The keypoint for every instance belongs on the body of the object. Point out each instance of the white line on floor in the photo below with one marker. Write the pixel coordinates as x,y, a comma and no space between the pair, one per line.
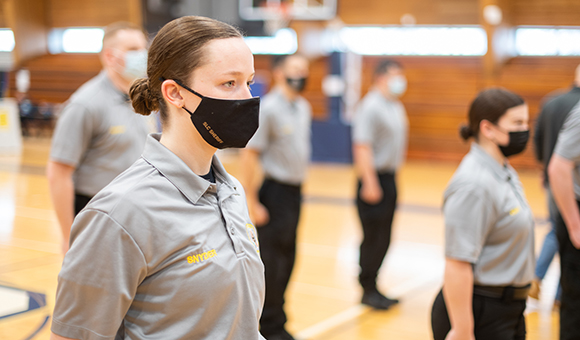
332,322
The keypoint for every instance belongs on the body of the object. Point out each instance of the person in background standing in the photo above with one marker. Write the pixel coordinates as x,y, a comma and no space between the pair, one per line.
380,130
548,126
98,135
564,176
489,228
282,146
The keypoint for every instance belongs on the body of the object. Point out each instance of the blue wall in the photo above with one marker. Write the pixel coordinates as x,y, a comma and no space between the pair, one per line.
331,138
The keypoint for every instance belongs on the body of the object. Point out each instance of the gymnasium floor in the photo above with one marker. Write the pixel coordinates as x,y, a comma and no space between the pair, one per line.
323,296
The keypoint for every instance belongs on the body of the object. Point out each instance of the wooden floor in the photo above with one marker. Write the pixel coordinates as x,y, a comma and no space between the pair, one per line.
323,296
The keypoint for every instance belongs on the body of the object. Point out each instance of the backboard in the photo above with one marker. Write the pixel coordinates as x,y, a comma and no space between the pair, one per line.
287,9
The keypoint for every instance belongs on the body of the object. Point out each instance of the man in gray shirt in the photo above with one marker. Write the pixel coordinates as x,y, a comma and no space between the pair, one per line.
98,135
282,145
564,174
379,145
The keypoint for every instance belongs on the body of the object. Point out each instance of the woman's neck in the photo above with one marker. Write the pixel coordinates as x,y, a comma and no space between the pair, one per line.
184,141
492,149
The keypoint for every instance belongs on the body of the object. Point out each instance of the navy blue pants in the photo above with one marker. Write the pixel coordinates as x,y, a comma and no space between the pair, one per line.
80,202
278,249
570,282
376,220
495,319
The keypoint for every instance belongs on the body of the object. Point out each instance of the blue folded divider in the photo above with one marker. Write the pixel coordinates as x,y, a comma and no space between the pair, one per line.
331,138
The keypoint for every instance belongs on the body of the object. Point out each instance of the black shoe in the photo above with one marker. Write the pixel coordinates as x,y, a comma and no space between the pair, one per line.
377,300
282,335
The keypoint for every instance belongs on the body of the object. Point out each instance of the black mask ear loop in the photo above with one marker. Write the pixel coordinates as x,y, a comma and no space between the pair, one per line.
188,89
185,87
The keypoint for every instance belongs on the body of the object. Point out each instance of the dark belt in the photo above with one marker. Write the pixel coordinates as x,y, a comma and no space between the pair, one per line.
288,185
508,293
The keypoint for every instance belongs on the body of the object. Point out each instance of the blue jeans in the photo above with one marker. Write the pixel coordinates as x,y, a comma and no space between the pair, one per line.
550,246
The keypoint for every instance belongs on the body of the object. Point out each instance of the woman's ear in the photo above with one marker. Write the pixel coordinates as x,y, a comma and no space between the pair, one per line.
172,94
487,129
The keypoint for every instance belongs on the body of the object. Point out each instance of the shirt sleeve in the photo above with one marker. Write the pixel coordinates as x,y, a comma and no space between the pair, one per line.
260,139
362,126
467,222
98,279
568,145
72,135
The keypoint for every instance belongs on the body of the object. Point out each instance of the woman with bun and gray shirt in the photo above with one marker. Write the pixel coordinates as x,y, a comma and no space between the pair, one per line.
167,250
489,228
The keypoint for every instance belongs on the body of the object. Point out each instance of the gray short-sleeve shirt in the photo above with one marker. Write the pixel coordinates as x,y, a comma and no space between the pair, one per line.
568,145
488,221
161,253
382,124
99,134
283,138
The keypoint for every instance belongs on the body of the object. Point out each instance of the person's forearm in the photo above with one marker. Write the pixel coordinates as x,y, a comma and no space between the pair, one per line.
458,294
364,164
58,337
562,186
62,194
249,160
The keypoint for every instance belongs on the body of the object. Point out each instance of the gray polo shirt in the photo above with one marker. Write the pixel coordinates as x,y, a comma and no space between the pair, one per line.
162,253
99,134
488,221
568,145
382,124
283,138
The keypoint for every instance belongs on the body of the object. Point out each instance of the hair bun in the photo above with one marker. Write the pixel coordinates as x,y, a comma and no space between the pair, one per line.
141,98
465,132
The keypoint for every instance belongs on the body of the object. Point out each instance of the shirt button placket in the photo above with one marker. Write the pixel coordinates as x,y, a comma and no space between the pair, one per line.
232,230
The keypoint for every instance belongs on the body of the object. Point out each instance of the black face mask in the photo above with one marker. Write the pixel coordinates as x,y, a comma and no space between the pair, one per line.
517,143
225,123
297,84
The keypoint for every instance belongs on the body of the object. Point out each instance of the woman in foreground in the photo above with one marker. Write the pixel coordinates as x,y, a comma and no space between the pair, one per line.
167,250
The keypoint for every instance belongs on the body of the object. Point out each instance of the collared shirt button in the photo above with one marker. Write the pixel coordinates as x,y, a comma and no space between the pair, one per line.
232,231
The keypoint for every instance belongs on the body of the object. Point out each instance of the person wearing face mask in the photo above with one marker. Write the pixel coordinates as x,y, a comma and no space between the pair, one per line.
489,228
564,176
98,135
167,250
379,133
282,147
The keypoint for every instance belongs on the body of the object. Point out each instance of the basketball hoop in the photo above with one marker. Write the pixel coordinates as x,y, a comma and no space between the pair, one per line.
277,16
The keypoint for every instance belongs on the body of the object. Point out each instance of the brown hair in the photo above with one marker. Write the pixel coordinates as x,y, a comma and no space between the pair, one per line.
490,104
278,61
114,28
384,66
175,53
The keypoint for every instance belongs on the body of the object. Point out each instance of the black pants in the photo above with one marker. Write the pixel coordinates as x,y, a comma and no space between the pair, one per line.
494,319
80,202
278,249
376,220
570,282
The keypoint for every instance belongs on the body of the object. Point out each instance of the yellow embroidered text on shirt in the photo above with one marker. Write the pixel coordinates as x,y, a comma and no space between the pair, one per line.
201,257
117,130
514,211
